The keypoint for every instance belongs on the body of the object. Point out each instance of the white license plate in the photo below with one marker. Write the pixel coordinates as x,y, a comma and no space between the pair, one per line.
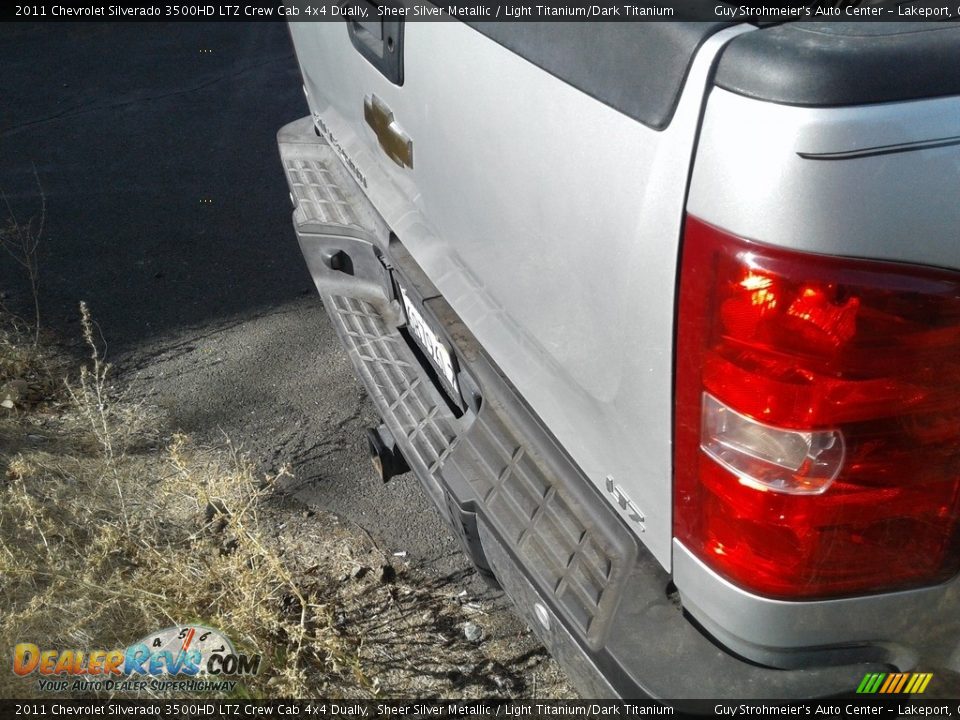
429,341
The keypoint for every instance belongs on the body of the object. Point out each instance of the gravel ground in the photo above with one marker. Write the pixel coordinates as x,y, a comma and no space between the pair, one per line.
167,211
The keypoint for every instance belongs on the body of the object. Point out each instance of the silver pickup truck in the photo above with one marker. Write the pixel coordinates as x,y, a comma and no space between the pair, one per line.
665,316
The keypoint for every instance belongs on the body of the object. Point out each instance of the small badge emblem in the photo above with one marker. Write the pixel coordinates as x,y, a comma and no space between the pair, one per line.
625,503
395,142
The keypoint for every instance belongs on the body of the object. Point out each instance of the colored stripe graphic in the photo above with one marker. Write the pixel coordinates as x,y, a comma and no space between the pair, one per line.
871,683
900,683
890,681
894,683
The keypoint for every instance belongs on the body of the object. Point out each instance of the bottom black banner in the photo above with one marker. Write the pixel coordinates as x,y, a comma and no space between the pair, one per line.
856,707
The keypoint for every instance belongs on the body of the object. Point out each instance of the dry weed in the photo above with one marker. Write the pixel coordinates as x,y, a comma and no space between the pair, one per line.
21,241
110,530
28,374
103,540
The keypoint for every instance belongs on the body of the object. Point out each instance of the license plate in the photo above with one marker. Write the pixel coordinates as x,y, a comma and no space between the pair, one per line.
428,340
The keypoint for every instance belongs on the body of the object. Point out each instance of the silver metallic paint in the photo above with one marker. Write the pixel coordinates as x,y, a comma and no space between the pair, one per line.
910,627
549,221
750,177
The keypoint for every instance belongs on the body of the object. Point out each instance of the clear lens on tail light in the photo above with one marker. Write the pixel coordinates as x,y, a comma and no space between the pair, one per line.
770,458
817,436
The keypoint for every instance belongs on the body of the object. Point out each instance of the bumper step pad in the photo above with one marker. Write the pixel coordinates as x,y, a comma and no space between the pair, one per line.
413,409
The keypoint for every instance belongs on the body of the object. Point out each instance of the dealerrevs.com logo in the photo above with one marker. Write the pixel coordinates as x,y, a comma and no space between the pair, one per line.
187,658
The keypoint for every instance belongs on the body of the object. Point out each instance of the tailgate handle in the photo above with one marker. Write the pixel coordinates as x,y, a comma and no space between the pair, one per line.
395,142
377,35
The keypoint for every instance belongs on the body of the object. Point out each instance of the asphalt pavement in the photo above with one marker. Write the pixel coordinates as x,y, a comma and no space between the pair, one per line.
167,212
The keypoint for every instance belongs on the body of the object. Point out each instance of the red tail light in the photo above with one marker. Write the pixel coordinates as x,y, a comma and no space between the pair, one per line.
817,443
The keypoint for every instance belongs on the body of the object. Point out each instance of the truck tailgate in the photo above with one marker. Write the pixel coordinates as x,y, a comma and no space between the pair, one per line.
548,220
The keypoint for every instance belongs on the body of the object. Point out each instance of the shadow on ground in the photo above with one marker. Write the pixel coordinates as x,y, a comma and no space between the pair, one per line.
154,145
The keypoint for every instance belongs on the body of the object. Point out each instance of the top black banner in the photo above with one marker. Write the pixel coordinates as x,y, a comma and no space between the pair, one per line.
487,11
302,709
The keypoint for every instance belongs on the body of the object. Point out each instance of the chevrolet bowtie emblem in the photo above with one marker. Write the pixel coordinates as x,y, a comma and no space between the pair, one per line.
395,142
